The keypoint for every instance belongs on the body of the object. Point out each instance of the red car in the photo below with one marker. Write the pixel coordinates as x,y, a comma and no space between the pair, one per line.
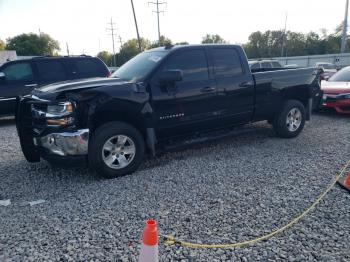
336,91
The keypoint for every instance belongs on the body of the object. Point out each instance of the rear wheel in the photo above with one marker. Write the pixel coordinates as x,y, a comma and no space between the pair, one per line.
116,149
290,121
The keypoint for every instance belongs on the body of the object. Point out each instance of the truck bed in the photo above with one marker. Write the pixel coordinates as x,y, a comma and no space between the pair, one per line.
272,86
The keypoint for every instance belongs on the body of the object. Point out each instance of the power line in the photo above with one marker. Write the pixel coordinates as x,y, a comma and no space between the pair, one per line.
157,4
345,28
112,29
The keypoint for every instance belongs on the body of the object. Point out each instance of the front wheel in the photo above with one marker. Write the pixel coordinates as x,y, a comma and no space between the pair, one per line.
290,121
116,149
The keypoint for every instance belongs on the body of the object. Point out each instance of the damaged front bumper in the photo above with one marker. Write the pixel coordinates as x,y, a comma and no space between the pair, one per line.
40,140
66,143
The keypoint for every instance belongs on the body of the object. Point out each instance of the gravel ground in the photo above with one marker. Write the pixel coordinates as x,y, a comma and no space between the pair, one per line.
225,191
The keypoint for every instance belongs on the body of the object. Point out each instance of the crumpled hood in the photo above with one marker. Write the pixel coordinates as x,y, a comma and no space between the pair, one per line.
335,87
80,84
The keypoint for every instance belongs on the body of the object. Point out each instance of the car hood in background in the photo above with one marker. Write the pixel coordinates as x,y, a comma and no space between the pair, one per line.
80,84
335,87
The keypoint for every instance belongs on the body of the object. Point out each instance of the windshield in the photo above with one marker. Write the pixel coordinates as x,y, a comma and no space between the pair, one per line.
139,66
341,76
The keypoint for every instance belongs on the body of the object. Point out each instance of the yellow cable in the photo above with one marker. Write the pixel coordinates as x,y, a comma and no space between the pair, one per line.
170,240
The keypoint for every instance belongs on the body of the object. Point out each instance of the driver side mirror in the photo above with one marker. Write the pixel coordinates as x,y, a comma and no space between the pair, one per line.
170,76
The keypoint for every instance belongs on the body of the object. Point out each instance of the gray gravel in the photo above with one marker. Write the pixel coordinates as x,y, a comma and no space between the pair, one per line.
225,191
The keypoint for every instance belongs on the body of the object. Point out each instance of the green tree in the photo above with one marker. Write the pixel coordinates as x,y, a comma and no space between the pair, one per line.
2,45
131,49
213,39
106,57
162,42
33,44
296,44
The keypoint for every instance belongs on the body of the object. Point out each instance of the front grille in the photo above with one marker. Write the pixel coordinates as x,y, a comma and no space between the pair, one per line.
24,126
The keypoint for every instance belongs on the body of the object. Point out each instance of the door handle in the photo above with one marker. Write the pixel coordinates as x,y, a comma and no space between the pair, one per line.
208,89
246,84
31,85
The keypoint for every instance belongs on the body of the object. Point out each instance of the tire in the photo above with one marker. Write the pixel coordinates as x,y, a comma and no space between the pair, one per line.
290,121
118,141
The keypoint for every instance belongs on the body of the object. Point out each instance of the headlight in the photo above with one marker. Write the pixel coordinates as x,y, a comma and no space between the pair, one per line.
60,109
347,96
60,114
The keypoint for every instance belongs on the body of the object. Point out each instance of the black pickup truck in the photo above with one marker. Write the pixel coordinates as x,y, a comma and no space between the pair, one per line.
162,95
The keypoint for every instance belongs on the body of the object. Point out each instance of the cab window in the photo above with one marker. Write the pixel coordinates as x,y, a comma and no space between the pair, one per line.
18,72
226,62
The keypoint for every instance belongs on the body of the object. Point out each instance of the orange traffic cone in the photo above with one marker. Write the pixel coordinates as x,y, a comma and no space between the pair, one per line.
345,181
149,247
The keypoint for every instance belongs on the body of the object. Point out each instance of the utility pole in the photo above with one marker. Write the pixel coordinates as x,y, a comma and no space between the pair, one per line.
284,35
345,29
67,48
137,28
112,29
157,3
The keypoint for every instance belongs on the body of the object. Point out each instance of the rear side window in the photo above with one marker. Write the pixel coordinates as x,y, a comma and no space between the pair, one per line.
88,68
18,72
51,70
226,62
193,64
266,65
276,65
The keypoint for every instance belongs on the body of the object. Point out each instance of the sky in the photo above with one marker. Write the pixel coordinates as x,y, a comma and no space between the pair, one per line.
83,23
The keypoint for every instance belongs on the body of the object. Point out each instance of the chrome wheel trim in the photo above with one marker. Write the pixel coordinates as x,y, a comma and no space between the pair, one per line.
294,119
118,151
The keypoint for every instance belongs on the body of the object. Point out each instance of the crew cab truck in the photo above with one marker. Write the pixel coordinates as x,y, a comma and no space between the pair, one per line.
161,94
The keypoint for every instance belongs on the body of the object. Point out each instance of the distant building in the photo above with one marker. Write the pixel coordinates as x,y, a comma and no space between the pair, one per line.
7,55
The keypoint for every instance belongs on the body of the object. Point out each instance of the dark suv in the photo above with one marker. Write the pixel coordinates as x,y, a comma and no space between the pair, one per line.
20,77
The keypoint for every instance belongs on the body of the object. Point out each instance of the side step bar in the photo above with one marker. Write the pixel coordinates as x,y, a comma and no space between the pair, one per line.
180,144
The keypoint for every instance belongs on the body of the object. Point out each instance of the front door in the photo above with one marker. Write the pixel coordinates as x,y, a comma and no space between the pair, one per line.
186,105
19,80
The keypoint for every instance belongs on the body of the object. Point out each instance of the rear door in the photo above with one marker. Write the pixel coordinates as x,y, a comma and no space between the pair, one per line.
51,71
19,80
234,83
189,105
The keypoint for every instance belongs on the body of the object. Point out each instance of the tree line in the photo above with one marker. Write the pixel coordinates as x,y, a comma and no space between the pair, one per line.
269,43
260,45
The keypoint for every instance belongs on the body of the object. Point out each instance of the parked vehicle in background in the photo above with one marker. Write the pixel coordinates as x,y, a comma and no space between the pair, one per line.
329,69
20,77
263,64
112,69
162,98
336,91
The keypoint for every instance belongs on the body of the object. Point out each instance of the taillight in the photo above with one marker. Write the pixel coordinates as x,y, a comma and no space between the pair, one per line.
109,74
